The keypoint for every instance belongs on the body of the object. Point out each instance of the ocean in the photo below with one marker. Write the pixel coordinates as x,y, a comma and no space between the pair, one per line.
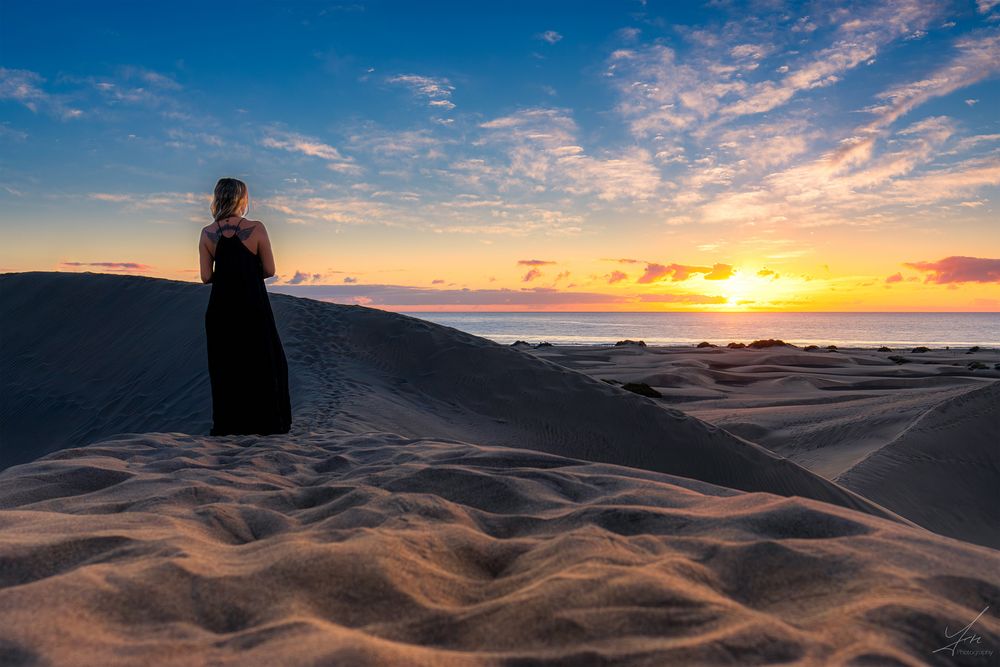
841,329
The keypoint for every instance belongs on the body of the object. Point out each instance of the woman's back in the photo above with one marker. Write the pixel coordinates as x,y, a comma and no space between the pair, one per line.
246,361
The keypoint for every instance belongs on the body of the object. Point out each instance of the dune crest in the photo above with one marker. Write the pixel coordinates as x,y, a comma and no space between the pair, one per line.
946,465
128,355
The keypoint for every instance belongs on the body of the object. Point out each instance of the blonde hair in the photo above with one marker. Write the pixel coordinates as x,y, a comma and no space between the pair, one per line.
231,198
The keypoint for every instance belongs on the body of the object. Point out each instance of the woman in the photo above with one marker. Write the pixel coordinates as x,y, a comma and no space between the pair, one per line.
246,362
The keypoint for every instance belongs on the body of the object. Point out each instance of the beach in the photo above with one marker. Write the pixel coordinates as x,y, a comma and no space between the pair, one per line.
443,499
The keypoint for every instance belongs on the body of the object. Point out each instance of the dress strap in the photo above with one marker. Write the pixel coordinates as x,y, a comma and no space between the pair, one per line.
237,228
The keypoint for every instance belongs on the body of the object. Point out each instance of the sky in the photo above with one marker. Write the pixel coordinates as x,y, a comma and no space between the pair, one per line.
599,156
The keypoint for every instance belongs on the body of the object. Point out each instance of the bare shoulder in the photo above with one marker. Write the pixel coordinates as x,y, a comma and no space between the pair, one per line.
210,232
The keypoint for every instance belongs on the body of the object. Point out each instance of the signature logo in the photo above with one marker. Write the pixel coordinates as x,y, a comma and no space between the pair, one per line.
965,640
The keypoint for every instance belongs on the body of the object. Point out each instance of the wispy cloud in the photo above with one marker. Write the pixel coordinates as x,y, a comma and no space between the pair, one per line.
342,210
975,59
404,295
25,87
662,93
392,145
506,298
144,201
682,298
131,85
115,267
550,36
543,149
436,91
312,147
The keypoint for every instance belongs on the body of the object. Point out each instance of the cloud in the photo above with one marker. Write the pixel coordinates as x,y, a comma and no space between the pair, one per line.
404,151
111,197
534,262
498,217
436,91
124,267
349,280
531,275
765,144
719,272
137,86
301,277
409,297
678,272
860,41
894,278
750,51
154,200
976,58
682,298
542,148
24,86
959,270
655,272
954,181
851,182
616,277
764,273
149,77
550,36
7,132
343,210
312,147
719,167
660,92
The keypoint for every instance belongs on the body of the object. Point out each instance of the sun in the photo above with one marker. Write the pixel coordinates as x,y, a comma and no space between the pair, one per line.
741,290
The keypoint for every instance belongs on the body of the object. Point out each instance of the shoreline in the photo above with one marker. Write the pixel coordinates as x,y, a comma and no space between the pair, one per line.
799,346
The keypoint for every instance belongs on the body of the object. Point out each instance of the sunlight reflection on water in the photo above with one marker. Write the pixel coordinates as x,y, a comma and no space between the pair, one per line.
842,329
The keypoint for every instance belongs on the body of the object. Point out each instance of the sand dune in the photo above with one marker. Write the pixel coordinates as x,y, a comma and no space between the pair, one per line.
919,438
443,500
949,458
128,355
376,549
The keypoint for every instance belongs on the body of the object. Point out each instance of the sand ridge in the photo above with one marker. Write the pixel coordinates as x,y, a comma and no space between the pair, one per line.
351,369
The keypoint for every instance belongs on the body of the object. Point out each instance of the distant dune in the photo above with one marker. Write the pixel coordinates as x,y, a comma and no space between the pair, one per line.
441,500
945,467
921,438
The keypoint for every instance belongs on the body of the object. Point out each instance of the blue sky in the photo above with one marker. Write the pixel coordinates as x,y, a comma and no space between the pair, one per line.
445,146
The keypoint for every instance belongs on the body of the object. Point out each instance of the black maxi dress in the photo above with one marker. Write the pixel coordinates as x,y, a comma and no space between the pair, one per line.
246,362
